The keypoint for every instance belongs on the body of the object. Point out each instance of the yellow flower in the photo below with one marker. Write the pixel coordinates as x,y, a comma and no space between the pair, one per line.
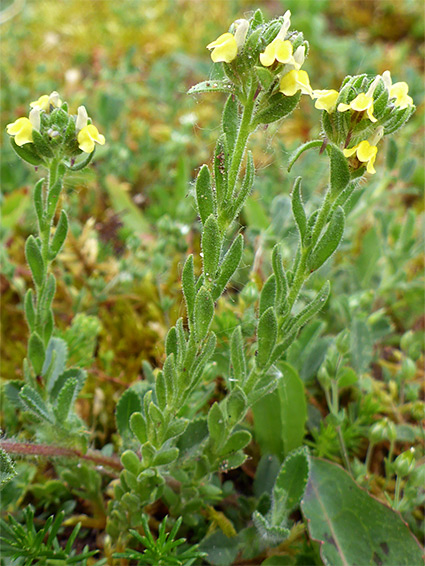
326,100
279,49
47,100
366,153
87,136
363,102
225,48
398,91
295,81
22,130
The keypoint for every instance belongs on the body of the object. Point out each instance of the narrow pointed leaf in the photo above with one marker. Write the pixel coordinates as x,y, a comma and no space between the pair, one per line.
204,194
267,334
35,260
329,242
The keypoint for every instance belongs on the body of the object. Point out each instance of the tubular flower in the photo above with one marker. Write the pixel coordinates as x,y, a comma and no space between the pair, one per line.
326,100
398,91
21,129
47,100
365,153
87,137
82,117
225,48
295,81
279,49
363,102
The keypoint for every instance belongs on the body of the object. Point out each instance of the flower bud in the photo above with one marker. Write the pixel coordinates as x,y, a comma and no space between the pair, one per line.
382,430
405,463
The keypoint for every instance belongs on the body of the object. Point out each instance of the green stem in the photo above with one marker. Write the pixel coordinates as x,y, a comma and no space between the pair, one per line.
397,493
244,132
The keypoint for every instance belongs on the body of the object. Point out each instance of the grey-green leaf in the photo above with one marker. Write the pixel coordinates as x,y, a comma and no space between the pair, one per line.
29,309
292,479
7,468
128,404
298,209
204,194
230,120
188,284
59,236
204,312
66,398
237,356
211,246
339,172
34,403
267,334
36,352
352,526
329,242
35,260
212,86
228,266
268,294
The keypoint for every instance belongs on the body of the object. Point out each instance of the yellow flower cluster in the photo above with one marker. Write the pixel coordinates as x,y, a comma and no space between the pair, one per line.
22,129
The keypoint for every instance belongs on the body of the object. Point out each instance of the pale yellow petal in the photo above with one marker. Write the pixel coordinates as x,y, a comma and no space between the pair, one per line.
342,107
350,152
361,102
21,129
288,83
225,48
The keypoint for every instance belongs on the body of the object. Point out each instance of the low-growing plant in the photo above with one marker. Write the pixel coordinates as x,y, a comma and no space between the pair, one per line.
178,437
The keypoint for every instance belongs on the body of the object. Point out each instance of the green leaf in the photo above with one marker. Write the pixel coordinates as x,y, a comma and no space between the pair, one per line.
298,209
36,352
38,202
237,356
212,86
265,76
188,284
204,312
292,480
53,197
41,144
300,150
79,165
59,236
171,381
221,168
131,462
329,242
281,282
216,424
228,266
293,407
211,247
279,107
29,309
339,172
267,334
27,153
161,391
171,346
54,364
236,406
308,312
66,398
35,260
128,404
138,427
165,456
268,294
236,441
352,526
246,186
34,403
230,120
7,468
204,194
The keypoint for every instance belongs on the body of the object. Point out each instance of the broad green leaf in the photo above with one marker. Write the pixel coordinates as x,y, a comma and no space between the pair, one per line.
171,346
35,260
246,187
279,107
292,480
36,352
339,172
27,153
267,424
236,406
161,391
236,441
52,198
216,424
128,404
138,427
204,194
293,407
165,456
352,526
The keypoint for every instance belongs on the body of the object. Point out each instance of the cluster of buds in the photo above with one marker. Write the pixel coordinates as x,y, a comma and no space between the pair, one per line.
50,132
355,118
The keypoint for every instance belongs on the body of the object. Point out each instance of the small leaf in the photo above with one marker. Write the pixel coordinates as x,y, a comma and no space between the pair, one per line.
279,107
211,247
59,236
131,462
246,187
281,282
236,406
38,202
265,77
339,171
35,260
216,424
171,381
308,312
36,352
228,266
29,309
165,456
230,120
236,441
27,153
171,342
298,209
212,86
41,144
300,150
128,404
237,356
53,197
7,468
329,242
66,398
204,312
267,334
161,391
292,480
204,194
221,168
268,294
138,427
360,345
34,403
188,284
352,526
58,349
